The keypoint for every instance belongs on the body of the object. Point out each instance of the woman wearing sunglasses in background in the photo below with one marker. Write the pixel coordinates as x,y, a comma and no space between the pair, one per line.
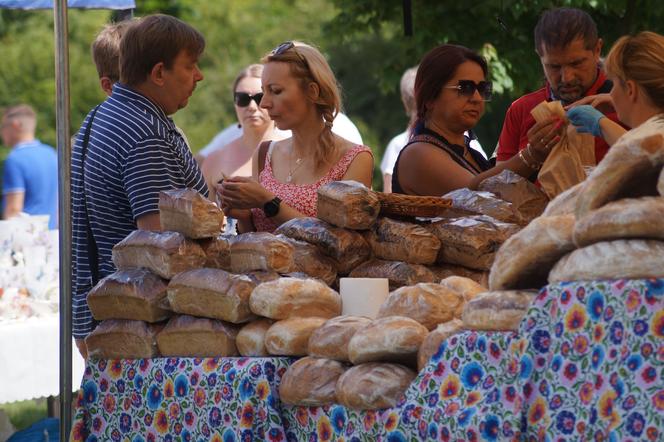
235,157
300,93
451,88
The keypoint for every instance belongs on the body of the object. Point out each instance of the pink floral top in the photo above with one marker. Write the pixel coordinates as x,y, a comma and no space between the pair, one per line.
302,198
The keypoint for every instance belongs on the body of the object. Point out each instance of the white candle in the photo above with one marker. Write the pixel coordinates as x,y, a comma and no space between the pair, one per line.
363,296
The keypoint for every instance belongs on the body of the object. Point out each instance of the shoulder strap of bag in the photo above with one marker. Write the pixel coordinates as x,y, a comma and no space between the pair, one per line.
93,251
423,138
262,155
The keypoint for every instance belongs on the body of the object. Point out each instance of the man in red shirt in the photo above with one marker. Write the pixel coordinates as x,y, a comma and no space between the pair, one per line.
568,46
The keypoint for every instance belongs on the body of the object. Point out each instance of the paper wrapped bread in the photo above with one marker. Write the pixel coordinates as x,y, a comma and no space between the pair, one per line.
187,336
218,251
122,339
190,213
331,339
260,251
287,297
484,203
497,311
526,198
389,339
373,385
347,204
400,241
308,259
398,273
311,382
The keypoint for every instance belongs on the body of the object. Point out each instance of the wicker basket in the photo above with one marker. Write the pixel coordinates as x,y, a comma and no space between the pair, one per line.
395,204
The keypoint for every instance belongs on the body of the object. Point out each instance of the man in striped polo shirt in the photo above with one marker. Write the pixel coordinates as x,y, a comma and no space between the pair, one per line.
133,151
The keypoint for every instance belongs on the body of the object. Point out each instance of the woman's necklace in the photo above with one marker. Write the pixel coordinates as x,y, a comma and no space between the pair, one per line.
291,169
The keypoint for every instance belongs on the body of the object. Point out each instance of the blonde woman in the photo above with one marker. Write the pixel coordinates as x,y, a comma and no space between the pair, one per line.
300,94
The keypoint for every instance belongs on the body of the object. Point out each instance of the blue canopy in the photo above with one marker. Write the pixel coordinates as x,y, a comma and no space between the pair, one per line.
89,4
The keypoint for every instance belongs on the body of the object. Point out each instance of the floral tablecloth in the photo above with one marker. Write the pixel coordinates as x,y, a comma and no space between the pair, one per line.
586,364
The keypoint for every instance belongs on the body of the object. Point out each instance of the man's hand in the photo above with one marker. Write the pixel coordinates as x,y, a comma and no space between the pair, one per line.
601,102
586,119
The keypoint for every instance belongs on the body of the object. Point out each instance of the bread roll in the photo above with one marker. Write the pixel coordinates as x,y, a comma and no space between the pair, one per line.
311,382
218,251
398,273
497,311
630,259
564,203
164,253
526,198
122,339
627,218
136,294
471,242
466,287
525,259
442,271
485,203
190,213
260,251
288,297
390,339
373,385
186,336
331,339
211,293
427,303
630,169
250,339
261,276
311,261
660,183
347,204
290,337
434,339
347,247
400,241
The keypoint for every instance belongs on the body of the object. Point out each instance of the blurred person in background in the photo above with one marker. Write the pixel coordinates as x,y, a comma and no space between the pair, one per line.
30,176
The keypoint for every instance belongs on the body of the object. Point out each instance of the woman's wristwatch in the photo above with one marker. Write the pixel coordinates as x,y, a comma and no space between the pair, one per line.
271,208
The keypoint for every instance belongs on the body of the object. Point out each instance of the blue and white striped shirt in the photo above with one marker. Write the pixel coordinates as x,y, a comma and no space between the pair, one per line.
133,153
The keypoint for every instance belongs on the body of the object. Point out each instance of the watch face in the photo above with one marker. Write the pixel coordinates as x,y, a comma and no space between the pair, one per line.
271,208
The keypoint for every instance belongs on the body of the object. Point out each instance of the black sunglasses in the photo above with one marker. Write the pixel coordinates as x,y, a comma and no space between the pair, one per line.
242,99
467,88
285,47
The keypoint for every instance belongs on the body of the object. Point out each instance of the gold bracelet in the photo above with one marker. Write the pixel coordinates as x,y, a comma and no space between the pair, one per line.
522,157
535,161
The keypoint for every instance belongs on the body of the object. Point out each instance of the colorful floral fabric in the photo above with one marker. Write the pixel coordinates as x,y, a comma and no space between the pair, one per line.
586,364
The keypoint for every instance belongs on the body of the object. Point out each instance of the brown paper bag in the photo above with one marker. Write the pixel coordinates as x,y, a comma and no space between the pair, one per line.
564,167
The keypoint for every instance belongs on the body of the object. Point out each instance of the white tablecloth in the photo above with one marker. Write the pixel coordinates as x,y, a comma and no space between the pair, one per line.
30,359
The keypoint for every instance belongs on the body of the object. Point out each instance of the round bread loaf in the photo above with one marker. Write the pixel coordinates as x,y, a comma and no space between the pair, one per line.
250,340
467,287
428,303
497,311
565,202
311,382
622,219
373,385
432,342
331,339
631,259
391,339
290,337
288,297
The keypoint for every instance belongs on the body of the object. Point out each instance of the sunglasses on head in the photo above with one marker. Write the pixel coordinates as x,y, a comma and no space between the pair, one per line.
242,99
285,47
467,88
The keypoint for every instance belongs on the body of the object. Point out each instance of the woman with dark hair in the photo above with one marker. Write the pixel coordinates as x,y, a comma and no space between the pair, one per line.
451,89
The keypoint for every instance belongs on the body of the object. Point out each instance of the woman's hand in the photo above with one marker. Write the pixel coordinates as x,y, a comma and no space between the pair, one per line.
601,102
543,136
242,193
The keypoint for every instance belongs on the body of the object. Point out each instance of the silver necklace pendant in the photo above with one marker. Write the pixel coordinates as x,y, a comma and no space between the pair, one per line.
289,178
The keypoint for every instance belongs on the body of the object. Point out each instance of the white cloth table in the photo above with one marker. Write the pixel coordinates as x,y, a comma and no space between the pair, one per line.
30,359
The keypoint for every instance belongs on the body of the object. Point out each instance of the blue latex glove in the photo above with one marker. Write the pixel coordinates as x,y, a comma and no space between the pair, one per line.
586,119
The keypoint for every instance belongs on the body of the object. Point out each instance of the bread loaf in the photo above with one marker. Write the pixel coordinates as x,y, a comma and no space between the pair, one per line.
211,293
218,252
399,241
629,170
497,311
136,294
331,340
471,242
290,337
190,213
311,261
525,259
485,203
631,259
261,276
660,183
288,297
442,271
260,251
627,218
526,198
250,339
311,382
122,339
164,253
373,385
434,339
466,287
427,303
347,204
390,339
347,247
564,203
186,336
398,273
